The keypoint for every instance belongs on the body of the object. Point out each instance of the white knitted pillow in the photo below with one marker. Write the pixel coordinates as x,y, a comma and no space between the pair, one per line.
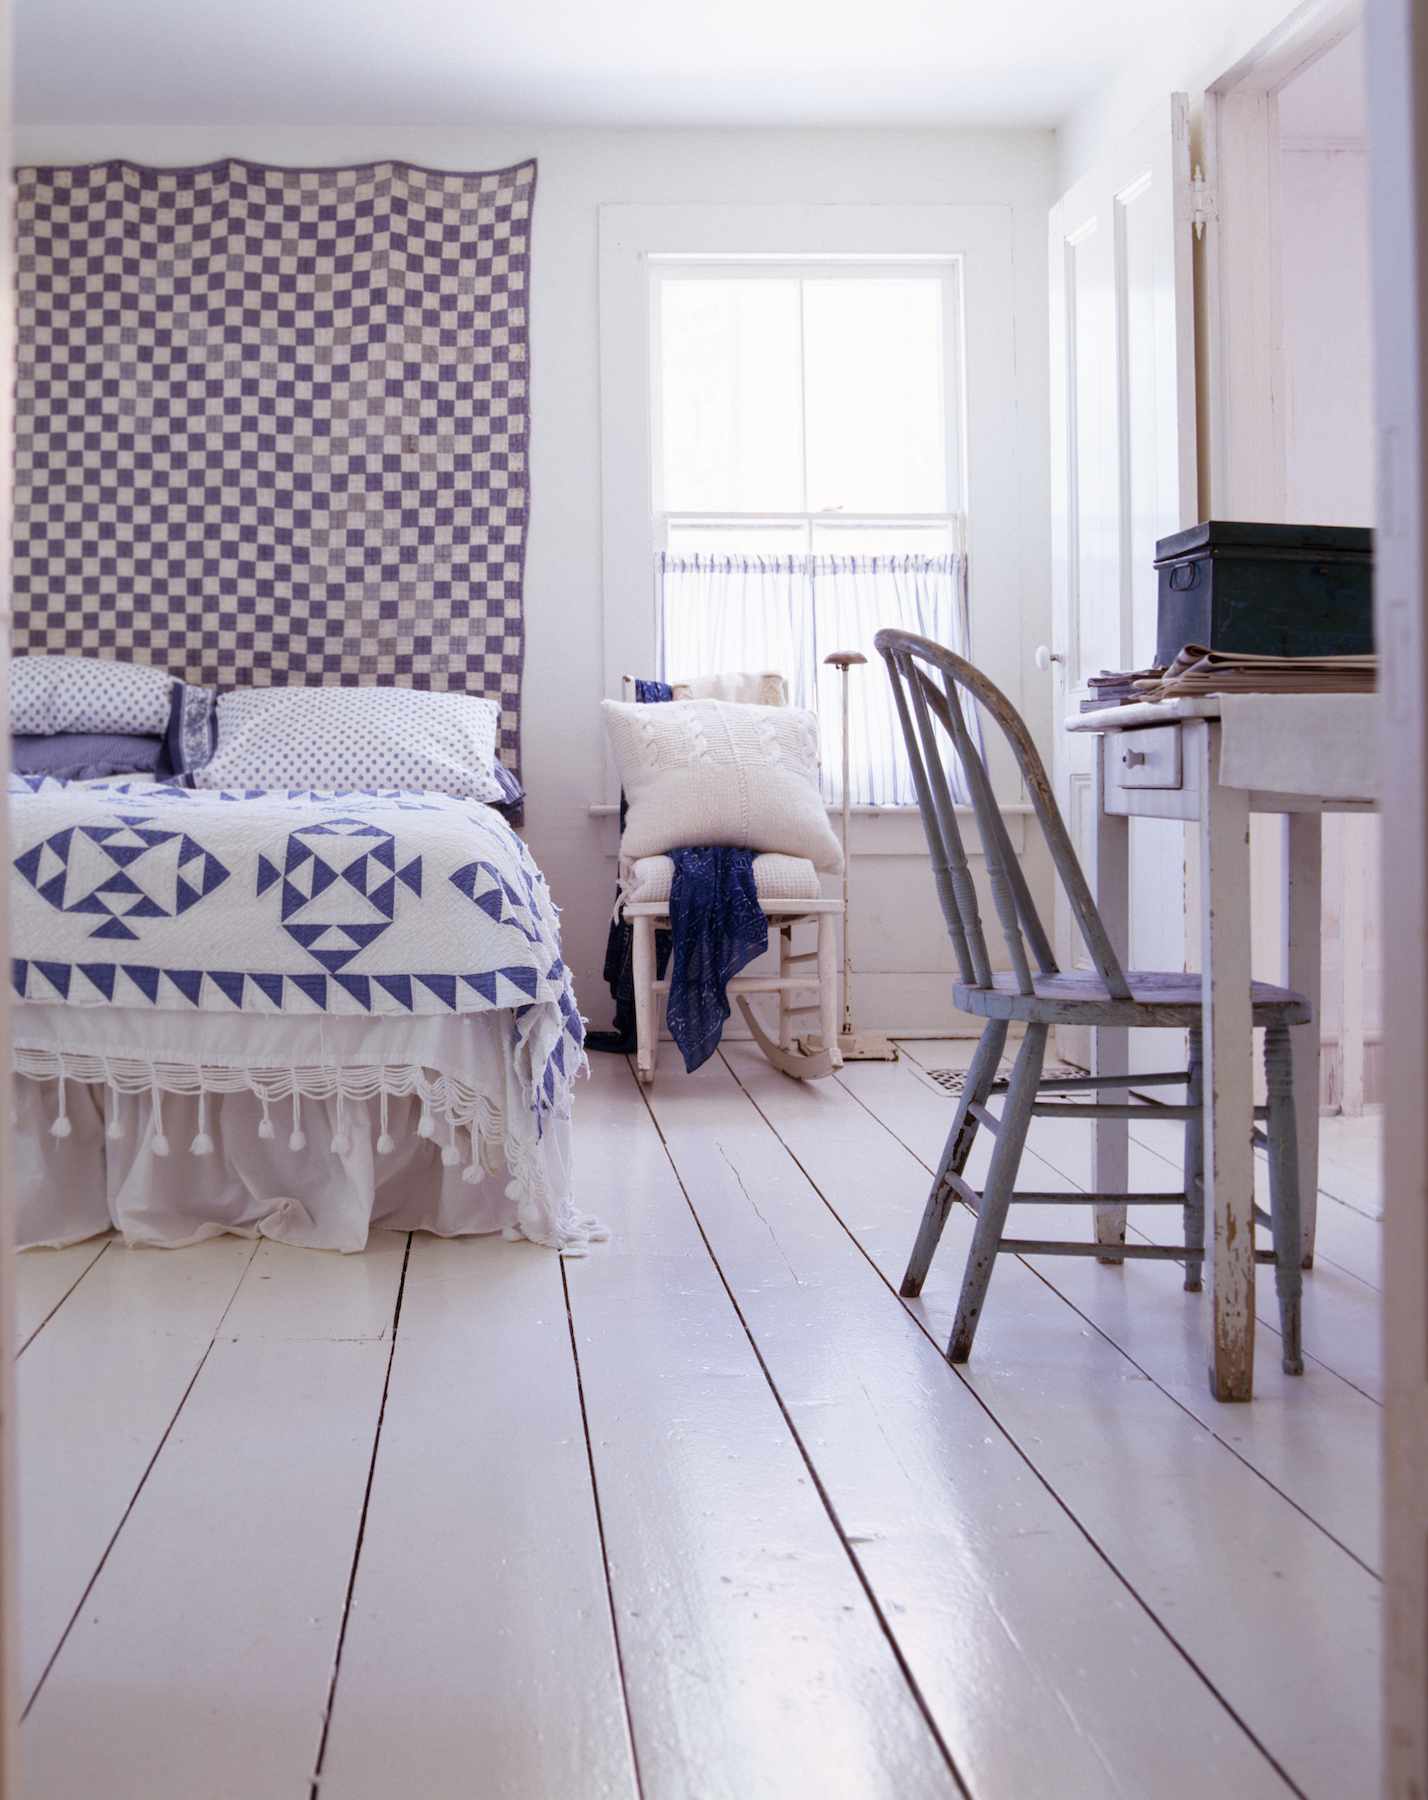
714,772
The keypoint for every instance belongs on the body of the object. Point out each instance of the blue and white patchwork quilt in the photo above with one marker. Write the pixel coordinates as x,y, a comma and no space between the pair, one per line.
154,896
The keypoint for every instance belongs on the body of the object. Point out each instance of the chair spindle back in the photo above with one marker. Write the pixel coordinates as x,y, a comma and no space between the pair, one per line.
924,705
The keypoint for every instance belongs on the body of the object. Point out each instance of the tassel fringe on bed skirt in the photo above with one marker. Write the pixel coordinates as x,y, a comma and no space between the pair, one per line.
466,1126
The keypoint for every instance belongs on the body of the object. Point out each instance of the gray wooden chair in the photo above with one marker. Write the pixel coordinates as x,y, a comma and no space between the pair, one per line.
935,692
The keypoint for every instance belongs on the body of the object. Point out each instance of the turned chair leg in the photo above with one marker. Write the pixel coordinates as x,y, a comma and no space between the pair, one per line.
1283,1138
996,1195
642,960
1194,1210
986,1060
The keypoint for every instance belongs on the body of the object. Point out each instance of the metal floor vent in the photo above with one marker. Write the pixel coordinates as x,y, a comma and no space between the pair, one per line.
954,1080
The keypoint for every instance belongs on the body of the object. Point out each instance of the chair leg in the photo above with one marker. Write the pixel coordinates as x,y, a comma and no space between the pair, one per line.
996,1195
1194,1211
828,1012
642,959
786,1033
1283,1138
983,1072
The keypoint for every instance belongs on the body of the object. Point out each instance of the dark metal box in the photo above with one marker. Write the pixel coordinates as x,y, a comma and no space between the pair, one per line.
1278,590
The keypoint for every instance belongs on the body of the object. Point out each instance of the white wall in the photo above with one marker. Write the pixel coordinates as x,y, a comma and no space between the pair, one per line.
1329,480
1328,436
579,170
1185,56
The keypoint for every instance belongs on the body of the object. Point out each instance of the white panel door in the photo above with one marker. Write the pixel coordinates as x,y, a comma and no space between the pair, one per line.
1123,474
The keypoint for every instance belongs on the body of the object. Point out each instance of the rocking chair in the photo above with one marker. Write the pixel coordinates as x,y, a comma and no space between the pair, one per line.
929,683
789,894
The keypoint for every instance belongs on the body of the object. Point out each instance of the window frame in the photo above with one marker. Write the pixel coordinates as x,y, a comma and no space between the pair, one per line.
947,270
636,240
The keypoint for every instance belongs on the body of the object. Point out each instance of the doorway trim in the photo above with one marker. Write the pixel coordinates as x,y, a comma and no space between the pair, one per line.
1240,378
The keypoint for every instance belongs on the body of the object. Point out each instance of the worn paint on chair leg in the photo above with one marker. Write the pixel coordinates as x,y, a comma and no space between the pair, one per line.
996,1195
1194,1213
1283,1137
986,1059
1229,1068
1303,940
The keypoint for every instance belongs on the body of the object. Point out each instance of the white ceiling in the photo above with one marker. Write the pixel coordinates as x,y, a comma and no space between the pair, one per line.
609,62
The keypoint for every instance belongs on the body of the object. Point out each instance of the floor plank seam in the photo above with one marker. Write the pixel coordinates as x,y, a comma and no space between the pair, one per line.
1120,1350
814,1476
1036,1473
138,1489
1269,1322
600,1531
63,1297
1319,1254
361,1531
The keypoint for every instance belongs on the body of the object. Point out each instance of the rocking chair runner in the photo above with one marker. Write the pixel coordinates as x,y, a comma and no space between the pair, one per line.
926,681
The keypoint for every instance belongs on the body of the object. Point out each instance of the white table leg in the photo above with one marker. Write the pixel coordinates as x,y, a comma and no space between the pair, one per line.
1303,949
1229,1075
1110,1045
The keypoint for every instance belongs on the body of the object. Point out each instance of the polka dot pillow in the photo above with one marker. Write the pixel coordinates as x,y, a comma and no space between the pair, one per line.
51,694
374,737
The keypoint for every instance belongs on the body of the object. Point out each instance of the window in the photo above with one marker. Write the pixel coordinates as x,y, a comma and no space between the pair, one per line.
807,478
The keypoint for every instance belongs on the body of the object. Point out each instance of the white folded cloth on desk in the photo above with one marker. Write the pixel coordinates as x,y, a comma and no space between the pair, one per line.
1325,745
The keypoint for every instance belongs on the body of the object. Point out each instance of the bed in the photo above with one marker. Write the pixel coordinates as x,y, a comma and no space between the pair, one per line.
294,1011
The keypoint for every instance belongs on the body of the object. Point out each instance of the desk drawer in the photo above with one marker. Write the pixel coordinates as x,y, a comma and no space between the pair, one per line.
1144,759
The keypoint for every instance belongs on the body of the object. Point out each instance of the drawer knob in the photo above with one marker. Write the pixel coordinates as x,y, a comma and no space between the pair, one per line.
1133,758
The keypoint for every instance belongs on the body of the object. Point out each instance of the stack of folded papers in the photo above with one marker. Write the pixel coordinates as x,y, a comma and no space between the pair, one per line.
1197,671
1117,687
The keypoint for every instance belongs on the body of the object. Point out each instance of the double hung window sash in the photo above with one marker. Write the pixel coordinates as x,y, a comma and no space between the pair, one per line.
809,483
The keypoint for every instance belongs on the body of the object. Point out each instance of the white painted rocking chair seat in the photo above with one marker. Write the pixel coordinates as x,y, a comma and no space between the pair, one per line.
1157,997
775,878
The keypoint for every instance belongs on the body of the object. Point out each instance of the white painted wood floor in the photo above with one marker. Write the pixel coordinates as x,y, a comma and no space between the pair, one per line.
705,1514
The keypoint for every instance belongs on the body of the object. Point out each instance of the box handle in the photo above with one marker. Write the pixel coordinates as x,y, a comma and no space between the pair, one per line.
1190,570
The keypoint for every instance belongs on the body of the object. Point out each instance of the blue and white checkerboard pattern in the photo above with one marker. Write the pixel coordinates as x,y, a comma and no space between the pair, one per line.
271,424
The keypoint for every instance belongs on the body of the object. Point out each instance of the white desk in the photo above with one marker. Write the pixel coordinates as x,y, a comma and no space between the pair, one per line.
1164,761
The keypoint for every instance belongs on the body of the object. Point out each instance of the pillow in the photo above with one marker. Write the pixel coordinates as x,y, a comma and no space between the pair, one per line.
716,772
83,755
350,737
50,694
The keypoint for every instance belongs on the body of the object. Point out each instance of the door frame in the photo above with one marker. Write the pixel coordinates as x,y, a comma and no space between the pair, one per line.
1242,404
1238,334
1397,45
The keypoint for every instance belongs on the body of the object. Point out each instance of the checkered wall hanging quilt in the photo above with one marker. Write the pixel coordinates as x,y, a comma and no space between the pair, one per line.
272,424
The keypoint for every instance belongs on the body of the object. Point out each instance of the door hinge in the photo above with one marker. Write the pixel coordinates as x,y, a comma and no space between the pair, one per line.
1204,208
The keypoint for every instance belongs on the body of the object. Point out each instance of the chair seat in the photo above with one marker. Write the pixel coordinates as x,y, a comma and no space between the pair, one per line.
1158,997
775,878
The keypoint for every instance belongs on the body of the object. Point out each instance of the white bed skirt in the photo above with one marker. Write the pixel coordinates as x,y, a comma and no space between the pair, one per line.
172,1128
